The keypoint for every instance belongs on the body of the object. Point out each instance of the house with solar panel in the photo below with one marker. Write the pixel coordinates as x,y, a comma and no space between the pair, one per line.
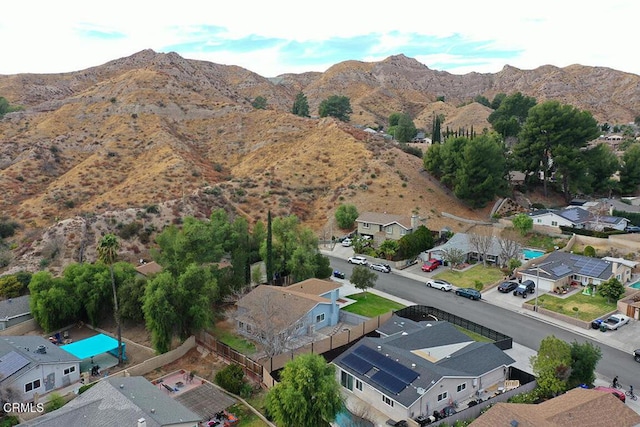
561,270
416,368
577,217
31,364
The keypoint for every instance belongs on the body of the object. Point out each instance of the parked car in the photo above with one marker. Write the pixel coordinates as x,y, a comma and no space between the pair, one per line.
613,322
339,274
524,288
430,265
470,293
506,287
632,229
347,242
617,393
385,268
636,355
443,285
358,260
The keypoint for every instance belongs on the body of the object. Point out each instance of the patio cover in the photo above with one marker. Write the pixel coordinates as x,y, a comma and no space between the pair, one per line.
93,346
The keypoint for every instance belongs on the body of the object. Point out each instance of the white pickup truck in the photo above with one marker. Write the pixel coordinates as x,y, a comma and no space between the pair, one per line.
613,322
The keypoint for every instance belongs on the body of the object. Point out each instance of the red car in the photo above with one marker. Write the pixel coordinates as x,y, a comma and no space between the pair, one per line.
430,265
617,393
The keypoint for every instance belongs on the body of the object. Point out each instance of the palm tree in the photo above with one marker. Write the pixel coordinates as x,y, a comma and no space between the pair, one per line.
108,253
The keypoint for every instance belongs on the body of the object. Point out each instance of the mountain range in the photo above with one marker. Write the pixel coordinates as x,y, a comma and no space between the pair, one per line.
152,137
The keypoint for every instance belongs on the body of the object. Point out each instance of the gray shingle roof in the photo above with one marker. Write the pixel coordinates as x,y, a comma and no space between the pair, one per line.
462,241
107,404
385,219
12,307
560,264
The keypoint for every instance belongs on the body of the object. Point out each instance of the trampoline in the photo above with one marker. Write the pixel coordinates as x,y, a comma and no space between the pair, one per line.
94,346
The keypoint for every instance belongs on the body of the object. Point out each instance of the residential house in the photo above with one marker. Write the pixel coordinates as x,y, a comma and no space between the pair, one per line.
121,401
14,311
31,364
298,309
465,243
146,269
561,270
384,226
415,368
577,407
577,217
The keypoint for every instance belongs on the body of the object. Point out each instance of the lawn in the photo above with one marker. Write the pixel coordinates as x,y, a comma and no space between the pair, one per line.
537,240
233,340
589,307
474,336
246,417
467,279
371,305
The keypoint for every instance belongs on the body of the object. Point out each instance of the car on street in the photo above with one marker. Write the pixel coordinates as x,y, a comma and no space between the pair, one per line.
358,260
443,285
347,242
524,288
430,265
385,268
636,355
613,322
617,393
470,293
506,287
632,229
339,274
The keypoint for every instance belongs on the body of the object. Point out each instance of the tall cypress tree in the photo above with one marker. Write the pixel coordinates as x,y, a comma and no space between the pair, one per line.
269,260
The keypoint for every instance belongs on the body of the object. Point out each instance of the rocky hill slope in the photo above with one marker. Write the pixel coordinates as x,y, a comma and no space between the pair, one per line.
153,137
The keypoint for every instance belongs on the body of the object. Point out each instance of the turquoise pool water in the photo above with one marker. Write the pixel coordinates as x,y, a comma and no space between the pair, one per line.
531,253
635,285
347,419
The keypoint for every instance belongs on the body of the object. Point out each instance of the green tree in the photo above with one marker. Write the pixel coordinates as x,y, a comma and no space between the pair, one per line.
336,106
432,160
54,302
508,118
523,223
363,278
193,298
436,132
93,286
612,289
231,378
159,314
401,126
552,366
482,173
482,100
300,105
108,253
497,100
555,135
589,251
389,248
584,359
630,170
601,164
346,215
10,287
307,394
410,245
268,255
260,103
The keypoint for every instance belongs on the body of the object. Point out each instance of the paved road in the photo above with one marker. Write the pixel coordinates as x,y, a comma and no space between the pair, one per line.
503,312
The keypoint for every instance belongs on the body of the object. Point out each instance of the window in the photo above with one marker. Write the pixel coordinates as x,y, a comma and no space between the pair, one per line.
554,223
365,225
359,385
443,396
31,386
538,220
346,380
241,325
388,401
389,229
461,387
404,232
69,370
320,318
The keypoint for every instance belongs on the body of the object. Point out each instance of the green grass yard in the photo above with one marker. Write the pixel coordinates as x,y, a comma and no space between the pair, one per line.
467,279
589,307
371,305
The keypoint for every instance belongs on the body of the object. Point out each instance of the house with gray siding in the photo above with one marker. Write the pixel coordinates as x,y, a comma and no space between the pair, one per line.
416,368
14,311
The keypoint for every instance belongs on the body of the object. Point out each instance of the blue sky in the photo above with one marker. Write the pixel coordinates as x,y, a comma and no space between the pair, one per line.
282,36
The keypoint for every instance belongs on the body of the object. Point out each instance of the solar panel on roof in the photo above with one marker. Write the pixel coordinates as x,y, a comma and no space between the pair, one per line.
11,363
388,381
561,270
357,363
386,364
593,268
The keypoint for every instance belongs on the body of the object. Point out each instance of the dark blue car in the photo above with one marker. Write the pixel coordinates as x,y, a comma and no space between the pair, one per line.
339,274
470,293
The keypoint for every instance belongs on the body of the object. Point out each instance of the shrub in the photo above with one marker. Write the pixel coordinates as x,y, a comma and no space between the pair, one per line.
231,378
130,230
589,251
86,387
56,401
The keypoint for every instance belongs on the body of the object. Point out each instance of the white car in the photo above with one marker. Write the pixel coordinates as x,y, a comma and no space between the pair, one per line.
358,260
347,242
443,285
385,268
613,322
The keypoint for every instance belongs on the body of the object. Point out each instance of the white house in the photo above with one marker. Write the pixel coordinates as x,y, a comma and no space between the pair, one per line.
416,368
31,364
577,217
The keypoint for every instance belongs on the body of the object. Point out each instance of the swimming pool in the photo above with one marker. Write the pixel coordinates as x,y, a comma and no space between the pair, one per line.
635,285
528,254
347,419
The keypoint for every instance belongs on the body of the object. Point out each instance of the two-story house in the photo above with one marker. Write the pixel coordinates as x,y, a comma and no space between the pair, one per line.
415,368
384,226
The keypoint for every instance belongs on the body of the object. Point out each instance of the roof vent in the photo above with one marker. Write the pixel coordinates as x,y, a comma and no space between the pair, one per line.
153,410
142,422
121,385
379,347
41,349
413,365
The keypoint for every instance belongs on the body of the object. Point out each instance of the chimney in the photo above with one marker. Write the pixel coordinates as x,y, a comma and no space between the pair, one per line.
142,422
414,222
